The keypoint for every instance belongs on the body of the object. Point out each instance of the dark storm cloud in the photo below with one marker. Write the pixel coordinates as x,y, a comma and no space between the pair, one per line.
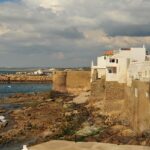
120,29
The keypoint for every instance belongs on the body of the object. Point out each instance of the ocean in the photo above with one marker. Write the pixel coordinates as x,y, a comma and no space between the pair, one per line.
8,72
13,88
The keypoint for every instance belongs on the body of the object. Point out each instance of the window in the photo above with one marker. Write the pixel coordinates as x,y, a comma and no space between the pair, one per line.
104,57
112,60
112,70
109,70
117,61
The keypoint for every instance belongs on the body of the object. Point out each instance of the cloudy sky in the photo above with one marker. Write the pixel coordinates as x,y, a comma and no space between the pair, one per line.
65,33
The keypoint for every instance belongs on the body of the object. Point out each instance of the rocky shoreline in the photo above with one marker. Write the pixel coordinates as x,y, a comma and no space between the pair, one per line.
40,117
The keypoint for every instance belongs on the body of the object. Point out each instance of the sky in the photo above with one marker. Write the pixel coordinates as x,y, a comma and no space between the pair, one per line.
69,33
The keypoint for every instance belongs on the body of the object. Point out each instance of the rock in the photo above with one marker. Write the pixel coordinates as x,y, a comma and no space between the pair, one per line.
2,111
118,127
82,98
68,114
18,111
87,130
59,100
46,133
3,124
67,105
2,119
143,143
75,112
127,133
49,100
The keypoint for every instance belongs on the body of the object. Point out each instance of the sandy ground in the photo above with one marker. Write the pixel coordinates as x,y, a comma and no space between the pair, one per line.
65,145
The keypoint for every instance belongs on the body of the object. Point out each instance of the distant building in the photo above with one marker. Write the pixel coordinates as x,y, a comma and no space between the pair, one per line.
38,72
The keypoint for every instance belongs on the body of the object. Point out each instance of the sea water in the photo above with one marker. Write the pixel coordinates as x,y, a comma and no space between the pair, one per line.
14,88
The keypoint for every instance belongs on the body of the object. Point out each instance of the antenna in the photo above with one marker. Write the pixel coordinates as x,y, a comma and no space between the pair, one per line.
92,63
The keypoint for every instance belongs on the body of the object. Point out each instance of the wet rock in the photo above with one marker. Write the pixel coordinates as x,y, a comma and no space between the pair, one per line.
67,105
59,100
18,111
127,133
46,133
2,110
49,100
68,114
87,130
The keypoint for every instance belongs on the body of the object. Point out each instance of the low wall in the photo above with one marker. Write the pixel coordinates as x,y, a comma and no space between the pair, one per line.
138,105
71,81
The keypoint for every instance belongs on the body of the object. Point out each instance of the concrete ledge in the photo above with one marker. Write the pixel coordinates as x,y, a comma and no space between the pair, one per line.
66,145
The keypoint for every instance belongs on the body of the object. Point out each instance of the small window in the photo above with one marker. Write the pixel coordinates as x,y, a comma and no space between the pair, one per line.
112,70
112,60
117,61
109,71
104,57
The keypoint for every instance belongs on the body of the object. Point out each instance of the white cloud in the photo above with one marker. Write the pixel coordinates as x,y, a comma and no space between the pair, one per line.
118,16
54,5
73,32
3,29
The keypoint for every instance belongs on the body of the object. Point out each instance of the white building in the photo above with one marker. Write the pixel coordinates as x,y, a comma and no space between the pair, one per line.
99,70
121,65
38,72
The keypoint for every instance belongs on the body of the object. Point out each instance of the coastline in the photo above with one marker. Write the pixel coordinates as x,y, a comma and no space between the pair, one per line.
11,78
41,117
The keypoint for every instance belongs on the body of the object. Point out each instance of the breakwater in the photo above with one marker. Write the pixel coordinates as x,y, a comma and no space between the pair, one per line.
13,78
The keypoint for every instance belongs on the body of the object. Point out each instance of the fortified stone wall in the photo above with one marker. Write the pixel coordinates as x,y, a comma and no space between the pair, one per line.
128,104
71,81
59,81
114,91
137,103
77,81
107,97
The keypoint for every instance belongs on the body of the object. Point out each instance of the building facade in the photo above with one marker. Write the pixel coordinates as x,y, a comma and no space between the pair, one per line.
122,65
